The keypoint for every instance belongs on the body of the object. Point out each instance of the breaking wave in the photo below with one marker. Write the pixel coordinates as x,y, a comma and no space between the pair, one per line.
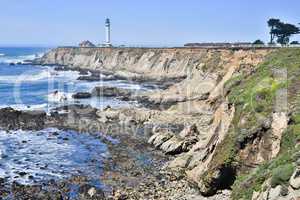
59,97
18,59
43,75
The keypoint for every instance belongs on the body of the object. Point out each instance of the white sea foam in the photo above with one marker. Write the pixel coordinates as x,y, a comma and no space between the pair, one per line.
47,154
2,54
18,59
59,97
26,107
65,75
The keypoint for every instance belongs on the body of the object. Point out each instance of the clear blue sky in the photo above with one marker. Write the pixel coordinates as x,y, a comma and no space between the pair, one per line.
148,22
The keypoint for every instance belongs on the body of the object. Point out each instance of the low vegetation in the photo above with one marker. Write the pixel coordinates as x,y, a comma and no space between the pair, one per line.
254,99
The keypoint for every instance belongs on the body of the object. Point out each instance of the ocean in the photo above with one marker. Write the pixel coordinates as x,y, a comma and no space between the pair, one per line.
30,157
27,87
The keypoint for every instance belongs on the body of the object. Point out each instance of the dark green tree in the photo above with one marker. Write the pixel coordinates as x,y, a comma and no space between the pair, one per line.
282,31
258,42
294,42
272,23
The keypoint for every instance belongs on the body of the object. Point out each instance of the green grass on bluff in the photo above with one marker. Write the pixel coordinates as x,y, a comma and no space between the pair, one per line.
254,99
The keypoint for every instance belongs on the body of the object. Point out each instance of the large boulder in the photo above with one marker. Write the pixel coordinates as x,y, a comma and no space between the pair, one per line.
295,180
173,145
159,138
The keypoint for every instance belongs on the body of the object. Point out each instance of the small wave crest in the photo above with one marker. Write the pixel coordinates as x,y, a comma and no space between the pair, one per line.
43,75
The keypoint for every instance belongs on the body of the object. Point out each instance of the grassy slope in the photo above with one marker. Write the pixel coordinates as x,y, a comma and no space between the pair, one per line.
253,96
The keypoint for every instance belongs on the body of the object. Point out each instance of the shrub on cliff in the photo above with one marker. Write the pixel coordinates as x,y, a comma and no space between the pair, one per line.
281,174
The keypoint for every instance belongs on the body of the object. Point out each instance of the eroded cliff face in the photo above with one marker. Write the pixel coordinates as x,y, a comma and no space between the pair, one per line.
228,123
150,62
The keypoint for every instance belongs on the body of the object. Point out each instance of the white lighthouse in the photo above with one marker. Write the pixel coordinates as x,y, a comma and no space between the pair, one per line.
107,33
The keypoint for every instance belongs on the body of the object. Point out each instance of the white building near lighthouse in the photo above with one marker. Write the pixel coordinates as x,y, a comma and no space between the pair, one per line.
107,33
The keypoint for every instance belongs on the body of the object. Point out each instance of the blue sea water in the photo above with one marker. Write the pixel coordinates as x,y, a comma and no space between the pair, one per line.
32,87
50,153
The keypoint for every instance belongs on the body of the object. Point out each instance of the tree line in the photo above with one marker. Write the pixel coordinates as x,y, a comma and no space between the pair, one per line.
280,32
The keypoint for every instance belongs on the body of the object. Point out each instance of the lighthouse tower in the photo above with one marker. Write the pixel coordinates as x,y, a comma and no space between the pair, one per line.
107,33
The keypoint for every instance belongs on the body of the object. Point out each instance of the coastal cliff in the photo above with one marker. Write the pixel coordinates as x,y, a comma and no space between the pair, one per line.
147,62
236,134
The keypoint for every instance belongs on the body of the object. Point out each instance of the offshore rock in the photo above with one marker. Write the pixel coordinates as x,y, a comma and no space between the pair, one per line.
82,95
106,91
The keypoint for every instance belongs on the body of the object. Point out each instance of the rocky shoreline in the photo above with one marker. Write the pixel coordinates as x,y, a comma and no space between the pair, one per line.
130,161
208,132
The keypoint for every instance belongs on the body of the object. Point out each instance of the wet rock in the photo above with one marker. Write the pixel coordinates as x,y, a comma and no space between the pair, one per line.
12,119
90,78
27,62
96,77
82,95
22,173
36,192
107,91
